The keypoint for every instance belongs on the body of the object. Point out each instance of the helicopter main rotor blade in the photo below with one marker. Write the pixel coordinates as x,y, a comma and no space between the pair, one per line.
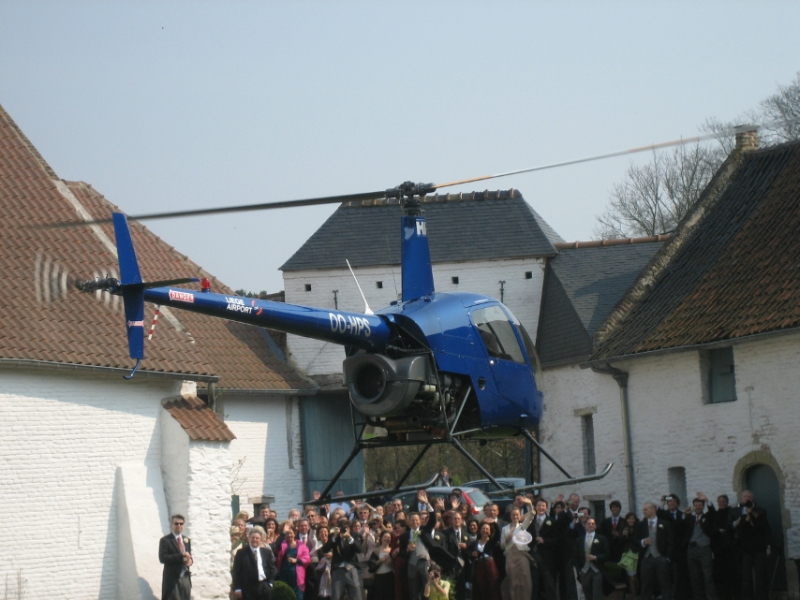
411,189
240,208
577,161
679,142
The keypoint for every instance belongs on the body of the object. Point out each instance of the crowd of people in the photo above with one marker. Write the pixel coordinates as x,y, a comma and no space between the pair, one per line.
536,549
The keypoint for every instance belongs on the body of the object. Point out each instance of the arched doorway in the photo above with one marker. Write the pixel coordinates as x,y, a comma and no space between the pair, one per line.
763,482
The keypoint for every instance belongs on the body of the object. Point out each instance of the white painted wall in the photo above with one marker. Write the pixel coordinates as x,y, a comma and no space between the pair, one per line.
209,512
175,466
197,485
61,439
522,296
268,441
568,392
141,512
673,428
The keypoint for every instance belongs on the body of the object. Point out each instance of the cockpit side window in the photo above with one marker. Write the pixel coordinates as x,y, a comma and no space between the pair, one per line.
497,334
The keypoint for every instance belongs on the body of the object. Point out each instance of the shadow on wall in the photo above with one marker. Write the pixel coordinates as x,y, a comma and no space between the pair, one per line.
145,589
108,575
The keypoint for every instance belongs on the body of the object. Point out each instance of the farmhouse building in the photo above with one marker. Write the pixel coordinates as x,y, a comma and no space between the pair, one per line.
690,382
104,461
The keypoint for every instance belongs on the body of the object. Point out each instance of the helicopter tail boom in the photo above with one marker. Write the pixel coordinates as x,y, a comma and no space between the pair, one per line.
366,332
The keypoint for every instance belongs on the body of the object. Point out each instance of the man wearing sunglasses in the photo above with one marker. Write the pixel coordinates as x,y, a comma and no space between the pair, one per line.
174,552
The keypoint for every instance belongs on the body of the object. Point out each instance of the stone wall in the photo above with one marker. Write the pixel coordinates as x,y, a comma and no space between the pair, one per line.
209,517
674,428
61,440
267,430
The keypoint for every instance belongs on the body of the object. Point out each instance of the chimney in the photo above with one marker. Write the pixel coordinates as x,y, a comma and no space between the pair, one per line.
746,137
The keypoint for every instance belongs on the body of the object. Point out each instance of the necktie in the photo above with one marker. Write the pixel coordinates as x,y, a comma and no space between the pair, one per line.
615,522
458,536
180,544
588,544
697,524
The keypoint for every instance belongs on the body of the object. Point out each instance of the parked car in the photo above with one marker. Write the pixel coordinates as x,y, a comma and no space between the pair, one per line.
503,502
474,497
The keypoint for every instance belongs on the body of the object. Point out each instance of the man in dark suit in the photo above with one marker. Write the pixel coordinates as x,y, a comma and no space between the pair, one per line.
723,545
754,536
591,552
571,530
698,532
344,564
654,537
456,544
254,570
611,528
544,548
679,570
175,553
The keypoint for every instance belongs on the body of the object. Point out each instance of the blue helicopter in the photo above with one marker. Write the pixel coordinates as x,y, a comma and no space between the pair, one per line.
430,368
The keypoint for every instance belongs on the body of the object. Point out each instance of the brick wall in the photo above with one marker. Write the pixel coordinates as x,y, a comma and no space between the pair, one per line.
268,440
210,516
521,295
672,427
61,439
570,392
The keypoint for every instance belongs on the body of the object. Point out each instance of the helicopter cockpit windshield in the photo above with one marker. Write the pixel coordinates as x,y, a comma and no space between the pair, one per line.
499,338
497,334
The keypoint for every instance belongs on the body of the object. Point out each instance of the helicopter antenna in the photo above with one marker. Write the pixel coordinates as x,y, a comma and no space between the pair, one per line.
367,309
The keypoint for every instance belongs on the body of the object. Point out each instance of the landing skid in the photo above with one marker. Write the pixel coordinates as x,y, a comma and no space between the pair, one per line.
452,439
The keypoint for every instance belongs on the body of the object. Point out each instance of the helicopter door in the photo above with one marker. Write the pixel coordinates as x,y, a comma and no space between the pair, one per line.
513,376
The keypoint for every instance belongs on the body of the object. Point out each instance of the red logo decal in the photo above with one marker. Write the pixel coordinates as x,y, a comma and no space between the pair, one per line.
181,296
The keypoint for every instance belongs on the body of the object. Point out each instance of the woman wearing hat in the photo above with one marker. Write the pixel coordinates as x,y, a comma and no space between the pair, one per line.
514,540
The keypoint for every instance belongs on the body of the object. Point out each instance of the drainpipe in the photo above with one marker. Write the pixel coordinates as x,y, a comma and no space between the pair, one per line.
214,403
621,377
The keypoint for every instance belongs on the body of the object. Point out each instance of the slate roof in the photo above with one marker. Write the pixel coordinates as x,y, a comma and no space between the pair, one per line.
44,319
198,420
733,268
461,227
581,287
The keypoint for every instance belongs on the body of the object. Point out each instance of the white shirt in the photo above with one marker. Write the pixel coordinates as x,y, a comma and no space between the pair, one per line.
589,540
261,575
179,541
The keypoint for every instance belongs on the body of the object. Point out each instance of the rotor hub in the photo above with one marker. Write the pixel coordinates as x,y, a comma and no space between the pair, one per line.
410,195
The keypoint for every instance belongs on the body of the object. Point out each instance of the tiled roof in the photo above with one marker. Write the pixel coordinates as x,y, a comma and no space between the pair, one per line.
581,287
461,227
198,420
730,271
43,317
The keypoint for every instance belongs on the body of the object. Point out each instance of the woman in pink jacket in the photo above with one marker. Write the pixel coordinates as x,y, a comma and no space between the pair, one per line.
293,558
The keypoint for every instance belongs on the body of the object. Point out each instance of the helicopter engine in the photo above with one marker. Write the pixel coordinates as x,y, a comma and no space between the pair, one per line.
381,386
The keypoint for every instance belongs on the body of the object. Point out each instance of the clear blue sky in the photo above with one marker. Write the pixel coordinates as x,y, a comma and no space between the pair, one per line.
181,105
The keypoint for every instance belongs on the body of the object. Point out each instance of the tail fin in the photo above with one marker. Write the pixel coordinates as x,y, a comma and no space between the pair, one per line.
128,265
417,270
131,287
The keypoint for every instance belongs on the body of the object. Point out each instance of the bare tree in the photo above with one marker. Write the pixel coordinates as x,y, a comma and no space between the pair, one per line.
783,107
653,198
